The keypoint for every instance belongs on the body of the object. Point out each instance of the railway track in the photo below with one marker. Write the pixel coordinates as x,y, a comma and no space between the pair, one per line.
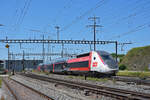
96,89
16,95
144,78
10,89
131,80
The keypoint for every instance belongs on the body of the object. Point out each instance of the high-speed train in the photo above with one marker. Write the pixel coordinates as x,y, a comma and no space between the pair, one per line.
92,63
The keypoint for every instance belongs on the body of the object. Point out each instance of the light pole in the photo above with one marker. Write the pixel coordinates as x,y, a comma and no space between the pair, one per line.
57,29
1,25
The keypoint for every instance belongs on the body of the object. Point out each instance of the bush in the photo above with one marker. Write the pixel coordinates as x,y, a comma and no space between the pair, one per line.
122,67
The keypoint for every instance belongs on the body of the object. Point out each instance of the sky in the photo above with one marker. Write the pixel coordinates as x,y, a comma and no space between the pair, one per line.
121,20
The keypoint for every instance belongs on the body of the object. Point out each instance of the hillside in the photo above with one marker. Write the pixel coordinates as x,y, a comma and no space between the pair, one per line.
137,58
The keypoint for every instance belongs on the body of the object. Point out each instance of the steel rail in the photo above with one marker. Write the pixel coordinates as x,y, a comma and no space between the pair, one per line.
107,91
36,91
9,88
131,79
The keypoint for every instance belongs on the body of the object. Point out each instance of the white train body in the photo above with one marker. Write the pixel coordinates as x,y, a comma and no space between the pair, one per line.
102,62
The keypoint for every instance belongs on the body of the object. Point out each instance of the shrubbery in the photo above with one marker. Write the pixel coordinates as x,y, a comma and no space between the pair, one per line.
122,67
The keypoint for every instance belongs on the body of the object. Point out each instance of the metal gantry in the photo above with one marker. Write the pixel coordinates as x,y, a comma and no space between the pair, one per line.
62,42
123,44
40,54
54,41
58,42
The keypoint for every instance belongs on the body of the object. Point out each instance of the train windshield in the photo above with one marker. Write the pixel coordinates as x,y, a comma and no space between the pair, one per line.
108,59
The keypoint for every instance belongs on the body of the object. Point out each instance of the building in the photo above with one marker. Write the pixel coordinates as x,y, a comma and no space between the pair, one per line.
1,63
19,65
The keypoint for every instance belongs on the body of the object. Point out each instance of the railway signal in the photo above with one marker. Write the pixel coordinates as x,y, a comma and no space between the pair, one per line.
7,46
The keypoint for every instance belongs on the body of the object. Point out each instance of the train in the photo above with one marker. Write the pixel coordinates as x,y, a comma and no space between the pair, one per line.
92,63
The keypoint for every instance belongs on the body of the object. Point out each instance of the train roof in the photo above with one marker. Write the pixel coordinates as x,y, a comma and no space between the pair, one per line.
88,53
57,60
83,55
102,52
78,56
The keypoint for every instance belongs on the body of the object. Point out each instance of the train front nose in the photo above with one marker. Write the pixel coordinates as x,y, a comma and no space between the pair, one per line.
110,63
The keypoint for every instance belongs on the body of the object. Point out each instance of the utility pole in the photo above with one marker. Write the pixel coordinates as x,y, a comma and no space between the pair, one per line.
43,49
94,26
90,47
49,50
7,46
116,50
57,29
23,61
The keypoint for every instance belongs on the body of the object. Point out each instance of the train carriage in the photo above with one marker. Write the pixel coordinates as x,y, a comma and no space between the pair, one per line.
79,65
94,62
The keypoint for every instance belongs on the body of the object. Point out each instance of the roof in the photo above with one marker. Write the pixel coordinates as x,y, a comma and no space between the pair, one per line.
1,61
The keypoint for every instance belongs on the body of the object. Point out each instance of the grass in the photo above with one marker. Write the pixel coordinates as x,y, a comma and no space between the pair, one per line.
97,79
88,78
134,73
40,72
0,81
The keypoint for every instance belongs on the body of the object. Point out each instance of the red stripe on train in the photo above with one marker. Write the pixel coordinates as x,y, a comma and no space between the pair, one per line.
80,69
53,67
78,59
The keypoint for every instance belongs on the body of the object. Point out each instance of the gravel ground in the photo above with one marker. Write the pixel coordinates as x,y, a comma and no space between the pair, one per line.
108,83
6,93
59,92
56,91
22,92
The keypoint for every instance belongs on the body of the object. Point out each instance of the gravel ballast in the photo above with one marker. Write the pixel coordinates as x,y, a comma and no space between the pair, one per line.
21,92
109,83
58,92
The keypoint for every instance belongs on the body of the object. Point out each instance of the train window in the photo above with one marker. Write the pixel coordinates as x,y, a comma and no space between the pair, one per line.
83,55
105,57
78,64
94,58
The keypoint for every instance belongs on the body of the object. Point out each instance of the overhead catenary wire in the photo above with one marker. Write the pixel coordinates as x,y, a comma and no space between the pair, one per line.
15,15
59,12
115,15
78,18
140,27
133,14
23,13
